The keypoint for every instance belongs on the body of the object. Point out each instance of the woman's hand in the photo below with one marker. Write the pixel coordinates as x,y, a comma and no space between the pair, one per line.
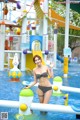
27,87
51,65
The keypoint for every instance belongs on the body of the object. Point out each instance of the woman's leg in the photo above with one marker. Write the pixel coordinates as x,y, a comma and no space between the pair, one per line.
46,99
40,95
41,98
47,96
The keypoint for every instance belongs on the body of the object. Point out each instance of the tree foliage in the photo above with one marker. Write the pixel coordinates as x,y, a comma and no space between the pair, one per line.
74,35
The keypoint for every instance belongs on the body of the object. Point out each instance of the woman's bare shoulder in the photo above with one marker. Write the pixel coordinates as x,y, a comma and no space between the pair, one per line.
34,69
46,67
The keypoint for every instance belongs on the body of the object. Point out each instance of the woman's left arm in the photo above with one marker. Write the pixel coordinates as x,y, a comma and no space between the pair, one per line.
50,72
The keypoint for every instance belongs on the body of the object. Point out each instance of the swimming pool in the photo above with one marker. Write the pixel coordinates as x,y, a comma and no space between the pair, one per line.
10,91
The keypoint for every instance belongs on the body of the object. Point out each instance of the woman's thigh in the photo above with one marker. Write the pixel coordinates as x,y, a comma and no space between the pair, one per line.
40,95
47,96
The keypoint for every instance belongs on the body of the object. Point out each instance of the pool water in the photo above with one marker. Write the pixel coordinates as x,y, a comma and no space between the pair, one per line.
10,91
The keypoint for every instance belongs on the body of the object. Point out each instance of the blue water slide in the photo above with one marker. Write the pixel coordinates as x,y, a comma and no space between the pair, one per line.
60,58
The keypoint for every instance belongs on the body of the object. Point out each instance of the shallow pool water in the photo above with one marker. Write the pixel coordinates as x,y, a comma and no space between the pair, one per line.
10,91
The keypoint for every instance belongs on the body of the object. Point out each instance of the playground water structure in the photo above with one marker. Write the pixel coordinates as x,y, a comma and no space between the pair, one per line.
10,91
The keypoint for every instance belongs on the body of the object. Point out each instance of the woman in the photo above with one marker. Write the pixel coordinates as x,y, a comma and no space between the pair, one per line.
41,73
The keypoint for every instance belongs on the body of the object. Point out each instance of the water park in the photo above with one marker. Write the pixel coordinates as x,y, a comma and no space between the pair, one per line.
35,27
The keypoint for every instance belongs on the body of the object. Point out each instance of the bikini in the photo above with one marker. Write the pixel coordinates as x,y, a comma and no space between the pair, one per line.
38,76
43,88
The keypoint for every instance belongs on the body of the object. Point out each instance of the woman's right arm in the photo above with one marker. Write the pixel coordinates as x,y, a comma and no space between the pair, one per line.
34,82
